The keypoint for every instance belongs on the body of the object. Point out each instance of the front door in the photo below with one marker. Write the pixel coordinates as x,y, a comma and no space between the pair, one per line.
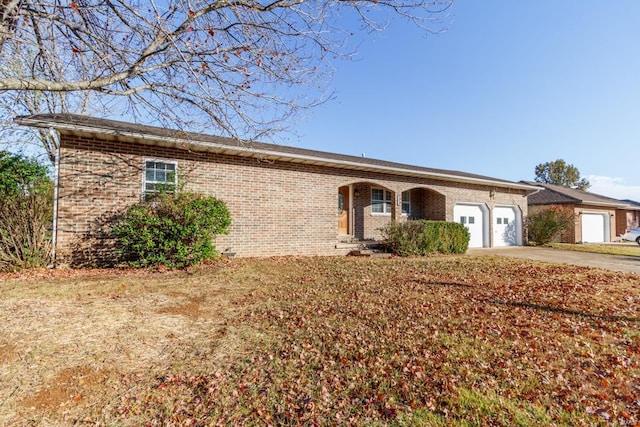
343,210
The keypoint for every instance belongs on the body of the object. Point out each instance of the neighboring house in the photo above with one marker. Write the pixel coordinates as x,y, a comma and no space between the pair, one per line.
598,218
283,200
628,218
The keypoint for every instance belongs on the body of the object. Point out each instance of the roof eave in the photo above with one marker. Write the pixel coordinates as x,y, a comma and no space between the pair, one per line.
582,202
248,151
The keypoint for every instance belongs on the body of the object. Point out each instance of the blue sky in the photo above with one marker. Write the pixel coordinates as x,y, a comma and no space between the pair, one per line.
509,85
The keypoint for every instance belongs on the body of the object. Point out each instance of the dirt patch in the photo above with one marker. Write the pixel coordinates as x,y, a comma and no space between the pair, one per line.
191,309
7,352
69,387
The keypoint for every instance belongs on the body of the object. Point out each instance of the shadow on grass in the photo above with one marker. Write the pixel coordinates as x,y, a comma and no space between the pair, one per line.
558,310
451,284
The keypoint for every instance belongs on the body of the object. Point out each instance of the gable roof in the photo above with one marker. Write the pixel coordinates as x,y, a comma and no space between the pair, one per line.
151,135
557,195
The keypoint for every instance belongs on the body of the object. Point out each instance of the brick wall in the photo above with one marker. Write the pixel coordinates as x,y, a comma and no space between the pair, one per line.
277,208
574,234
626,219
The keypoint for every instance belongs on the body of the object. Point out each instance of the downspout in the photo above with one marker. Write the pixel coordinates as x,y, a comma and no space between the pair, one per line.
533,192
525,237
56,178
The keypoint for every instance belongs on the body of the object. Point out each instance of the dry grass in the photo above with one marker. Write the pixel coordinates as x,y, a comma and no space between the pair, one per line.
609,249
323,341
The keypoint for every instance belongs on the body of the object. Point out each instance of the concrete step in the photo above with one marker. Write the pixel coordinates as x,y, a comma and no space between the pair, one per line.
372,253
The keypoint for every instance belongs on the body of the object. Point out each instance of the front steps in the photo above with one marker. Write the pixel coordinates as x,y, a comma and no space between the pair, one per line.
370,249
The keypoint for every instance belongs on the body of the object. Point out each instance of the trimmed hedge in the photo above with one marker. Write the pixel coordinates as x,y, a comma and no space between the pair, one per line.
422,237
174,230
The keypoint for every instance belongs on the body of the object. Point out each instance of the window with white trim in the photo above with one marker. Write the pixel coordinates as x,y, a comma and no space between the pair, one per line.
159,175
380,201
406,203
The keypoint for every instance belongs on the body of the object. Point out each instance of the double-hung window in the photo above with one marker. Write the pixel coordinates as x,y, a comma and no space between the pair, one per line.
380,201
159,176
406,203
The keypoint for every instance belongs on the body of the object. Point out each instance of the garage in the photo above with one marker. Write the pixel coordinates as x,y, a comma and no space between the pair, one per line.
507,226
595,227
474,217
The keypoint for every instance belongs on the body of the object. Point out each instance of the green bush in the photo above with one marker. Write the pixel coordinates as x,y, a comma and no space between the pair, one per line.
547,225
423,237
174,230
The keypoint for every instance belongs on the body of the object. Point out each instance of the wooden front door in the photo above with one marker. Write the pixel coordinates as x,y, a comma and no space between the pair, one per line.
343,210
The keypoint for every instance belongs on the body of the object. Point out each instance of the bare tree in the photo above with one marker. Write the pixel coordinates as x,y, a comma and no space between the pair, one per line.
245,66
27,102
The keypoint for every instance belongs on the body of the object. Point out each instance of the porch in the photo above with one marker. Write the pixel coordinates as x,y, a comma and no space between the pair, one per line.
364,208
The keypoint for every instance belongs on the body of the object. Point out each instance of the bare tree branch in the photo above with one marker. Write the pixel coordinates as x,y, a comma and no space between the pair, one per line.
243,66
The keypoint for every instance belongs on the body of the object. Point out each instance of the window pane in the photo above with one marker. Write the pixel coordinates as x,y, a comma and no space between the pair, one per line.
387,196
377,207
499,220
472,220
159,175
505,220
377,195
463,220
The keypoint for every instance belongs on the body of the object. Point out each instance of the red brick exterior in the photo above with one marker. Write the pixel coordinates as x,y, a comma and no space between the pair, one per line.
574,234
626,219
277,207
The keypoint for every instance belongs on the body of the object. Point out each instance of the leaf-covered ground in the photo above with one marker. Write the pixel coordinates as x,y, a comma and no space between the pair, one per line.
326,341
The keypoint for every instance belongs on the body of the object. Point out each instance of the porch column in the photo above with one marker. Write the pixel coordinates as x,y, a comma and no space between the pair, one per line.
396,206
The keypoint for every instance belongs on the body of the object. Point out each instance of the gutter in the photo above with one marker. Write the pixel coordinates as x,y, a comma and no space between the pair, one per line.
252,152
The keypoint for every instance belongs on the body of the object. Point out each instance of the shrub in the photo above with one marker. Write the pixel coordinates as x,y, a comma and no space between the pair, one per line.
174,230
423,237
26,213
547,225
25,237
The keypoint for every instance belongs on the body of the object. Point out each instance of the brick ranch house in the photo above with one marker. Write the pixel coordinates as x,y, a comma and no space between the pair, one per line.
283,200
598,218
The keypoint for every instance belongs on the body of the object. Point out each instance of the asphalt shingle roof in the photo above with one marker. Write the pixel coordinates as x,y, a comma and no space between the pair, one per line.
556,194
71,123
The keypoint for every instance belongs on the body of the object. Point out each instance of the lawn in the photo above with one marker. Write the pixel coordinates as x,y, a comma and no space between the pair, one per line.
323,341
610,249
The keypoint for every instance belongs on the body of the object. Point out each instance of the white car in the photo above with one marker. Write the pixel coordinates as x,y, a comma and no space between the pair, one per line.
632,235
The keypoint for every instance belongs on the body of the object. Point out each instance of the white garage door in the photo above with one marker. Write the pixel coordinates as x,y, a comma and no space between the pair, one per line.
506,226
472,217
594,227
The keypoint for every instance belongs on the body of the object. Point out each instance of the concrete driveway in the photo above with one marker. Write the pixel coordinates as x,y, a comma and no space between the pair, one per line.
610,262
